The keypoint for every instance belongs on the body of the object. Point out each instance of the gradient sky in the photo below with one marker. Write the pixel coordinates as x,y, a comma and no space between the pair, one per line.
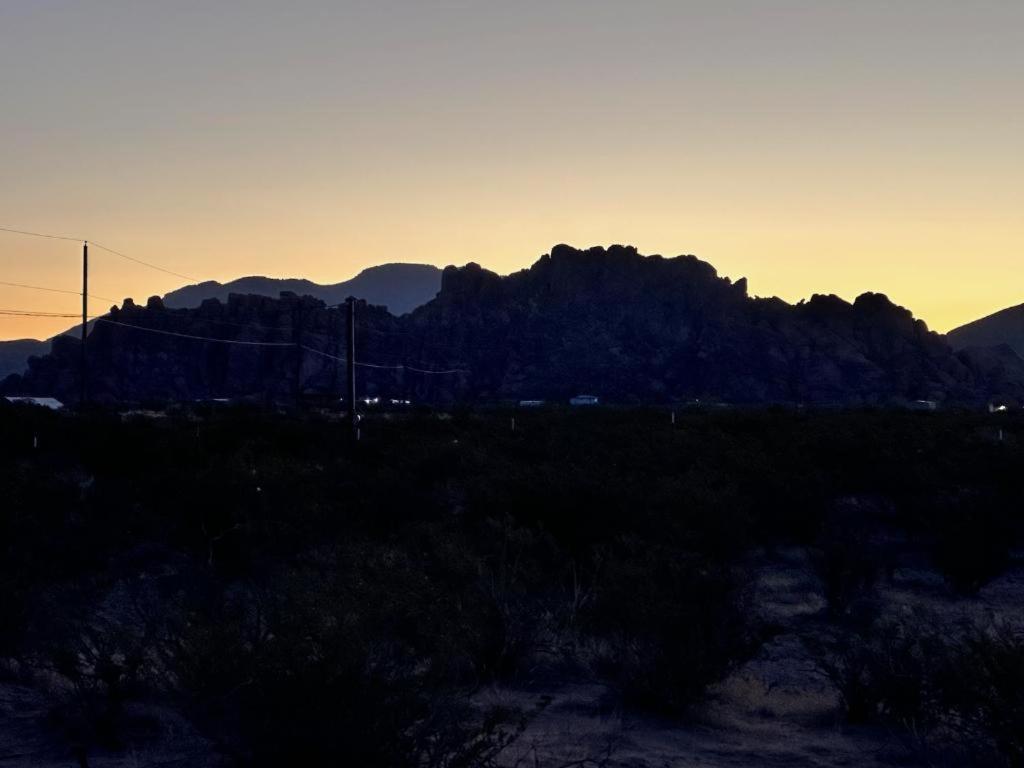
811,146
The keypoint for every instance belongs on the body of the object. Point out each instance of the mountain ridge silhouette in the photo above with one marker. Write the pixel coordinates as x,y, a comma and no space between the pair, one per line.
606,321
1003,327
400,286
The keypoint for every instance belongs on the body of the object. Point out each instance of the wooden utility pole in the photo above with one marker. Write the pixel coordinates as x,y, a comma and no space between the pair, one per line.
350,358
84,372
297,328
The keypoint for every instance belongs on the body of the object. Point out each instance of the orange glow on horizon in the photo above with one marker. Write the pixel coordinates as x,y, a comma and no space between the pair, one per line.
810,147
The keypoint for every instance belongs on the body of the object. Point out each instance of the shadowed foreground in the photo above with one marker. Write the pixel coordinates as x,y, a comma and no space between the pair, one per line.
601,588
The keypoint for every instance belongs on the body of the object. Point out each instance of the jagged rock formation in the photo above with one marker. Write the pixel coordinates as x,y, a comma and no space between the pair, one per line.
610,322
399,287
1003,327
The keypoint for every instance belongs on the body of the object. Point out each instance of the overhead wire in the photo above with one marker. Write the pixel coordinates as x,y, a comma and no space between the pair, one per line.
195,337
105,319
102,247
277,344
401,361
404,367
382,367
41,234
143,263
55,290
35,313
227,323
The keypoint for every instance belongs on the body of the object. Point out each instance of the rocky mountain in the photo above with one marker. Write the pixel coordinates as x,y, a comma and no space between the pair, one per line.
1003,327
399,287
610,322
14,354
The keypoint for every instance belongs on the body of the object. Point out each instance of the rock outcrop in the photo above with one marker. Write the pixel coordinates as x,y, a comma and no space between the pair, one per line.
1003,327
610,322
399,287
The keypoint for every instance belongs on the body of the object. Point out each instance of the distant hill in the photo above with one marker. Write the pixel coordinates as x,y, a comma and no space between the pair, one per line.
608,322
14,355
399,287
1003,327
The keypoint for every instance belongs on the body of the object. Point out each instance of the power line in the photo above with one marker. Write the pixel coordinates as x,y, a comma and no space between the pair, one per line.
101,247
198,338
40,234
54,290
382,367
156,309
412,368
304,348
26,313
33,313
143,263
426,344
402,357
277,344
254,326
194,337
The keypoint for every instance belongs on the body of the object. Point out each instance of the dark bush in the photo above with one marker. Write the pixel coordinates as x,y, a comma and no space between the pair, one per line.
973,536
961,695
671,625
307,600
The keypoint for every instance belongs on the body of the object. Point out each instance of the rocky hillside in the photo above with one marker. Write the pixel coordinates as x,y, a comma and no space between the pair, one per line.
610,322
399,287
14,354
1003,327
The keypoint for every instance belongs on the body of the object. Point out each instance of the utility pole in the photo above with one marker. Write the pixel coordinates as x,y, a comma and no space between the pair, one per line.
83,374
297,328
350,357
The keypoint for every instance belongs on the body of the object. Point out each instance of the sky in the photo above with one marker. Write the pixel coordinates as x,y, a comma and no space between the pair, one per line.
812,146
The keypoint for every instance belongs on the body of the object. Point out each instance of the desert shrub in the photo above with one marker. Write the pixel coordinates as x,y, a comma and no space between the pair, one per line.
508,610
952,695
304,675
671,626
324,600
972,537
847,557
986,694
94,666
885,672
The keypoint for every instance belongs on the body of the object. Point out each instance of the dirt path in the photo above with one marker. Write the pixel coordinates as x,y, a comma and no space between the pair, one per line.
775,710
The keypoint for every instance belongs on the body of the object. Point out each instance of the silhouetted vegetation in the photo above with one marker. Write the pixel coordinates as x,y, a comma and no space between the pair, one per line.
309,601
959,696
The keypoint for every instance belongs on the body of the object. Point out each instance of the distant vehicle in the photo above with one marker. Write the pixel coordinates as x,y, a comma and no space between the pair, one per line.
531,403
43,402
993,408
371,400
584,400
924,405
395,401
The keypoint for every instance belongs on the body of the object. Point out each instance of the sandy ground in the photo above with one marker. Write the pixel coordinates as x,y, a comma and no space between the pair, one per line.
26,738
775,710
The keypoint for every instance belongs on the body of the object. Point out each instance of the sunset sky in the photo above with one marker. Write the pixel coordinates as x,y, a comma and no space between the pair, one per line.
813,146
